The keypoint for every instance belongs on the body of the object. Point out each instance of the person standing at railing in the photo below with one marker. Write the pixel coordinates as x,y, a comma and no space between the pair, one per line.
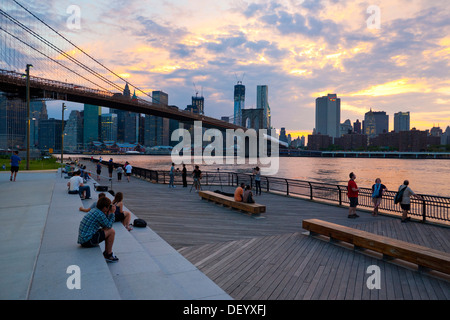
352,193
378,190
197,175
184,176
257,173
110,168
405,204
172,176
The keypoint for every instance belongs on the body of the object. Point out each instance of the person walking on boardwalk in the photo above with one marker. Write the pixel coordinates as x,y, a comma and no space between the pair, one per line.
172,176
184,176
378,190
15,162
99,170
96,227
128,170
405,203
352,193
119,173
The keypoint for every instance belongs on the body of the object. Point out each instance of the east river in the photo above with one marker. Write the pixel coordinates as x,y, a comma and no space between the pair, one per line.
426,176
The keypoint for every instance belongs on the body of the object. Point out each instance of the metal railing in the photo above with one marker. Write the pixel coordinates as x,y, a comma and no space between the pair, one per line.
430,207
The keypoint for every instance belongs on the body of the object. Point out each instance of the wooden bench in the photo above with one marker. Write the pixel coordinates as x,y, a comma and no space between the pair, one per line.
425,258
252,208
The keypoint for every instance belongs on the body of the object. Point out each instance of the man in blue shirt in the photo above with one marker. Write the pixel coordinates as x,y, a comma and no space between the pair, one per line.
15,161
96,227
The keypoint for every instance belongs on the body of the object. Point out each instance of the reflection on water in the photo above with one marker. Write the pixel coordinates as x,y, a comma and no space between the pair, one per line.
426,176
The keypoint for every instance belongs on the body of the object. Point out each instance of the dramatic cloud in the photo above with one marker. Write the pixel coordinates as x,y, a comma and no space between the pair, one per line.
301,49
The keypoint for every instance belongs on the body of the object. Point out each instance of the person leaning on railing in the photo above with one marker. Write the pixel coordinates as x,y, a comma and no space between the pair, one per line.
405,204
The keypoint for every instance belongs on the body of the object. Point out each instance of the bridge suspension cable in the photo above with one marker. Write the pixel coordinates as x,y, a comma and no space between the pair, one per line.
25,35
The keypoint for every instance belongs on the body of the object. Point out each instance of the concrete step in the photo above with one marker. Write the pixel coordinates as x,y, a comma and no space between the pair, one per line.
149,268
59,250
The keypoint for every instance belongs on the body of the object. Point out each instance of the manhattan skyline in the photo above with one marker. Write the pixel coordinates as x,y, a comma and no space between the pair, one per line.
300,49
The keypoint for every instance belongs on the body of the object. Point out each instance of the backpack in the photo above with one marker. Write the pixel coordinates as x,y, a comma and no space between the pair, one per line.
140,223
399,195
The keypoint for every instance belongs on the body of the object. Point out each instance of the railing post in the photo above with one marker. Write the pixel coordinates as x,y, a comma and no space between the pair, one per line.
287,187
340,196
310,191
267,186
424,210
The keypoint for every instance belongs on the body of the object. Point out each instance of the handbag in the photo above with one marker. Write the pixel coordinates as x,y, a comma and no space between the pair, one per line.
399,195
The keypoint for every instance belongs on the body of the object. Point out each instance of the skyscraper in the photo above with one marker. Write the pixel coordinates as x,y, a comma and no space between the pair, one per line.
50,132
328,115
13,119
375,123
198,103
357,126
157,128
382,122
401,121
73,131
239,102
108,125
262,102
38,110
90,124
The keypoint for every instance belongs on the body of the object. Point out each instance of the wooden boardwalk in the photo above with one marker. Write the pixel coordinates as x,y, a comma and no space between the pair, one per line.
270,257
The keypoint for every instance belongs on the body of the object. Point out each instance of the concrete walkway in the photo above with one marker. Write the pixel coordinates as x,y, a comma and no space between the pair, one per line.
38,250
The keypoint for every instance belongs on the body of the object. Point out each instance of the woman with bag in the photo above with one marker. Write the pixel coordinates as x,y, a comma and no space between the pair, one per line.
378,190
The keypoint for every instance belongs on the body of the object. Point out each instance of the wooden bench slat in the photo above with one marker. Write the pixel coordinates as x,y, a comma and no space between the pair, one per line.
254,208
420,255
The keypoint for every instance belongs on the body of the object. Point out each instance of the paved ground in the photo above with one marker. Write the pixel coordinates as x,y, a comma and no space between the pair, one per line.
38,251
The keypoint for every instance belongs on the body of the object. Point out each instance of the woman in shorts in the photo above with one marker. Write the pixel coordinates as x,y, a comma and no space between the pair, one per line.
405,204
378,190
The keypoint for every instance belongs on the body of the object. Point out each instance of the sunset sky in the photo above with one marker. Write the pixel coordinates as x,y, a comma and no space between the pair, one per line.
300,49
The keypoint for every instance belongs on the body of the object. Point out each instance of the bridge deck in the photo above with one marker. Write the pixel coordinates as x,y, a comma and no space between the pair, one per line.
270,257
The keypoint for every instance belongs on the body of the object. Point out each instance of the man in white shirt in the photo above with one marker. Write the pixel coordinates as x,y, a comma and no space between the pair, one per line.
128,169
76,185
405,204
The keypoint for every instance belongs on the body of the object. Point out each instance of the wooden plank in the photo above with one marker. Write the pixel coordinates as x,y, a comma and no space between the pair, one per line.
420,255
268,266
254,208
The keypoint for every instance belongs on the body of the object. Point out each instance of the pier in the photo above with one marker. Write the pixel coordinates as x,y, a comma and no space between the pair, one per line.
223,253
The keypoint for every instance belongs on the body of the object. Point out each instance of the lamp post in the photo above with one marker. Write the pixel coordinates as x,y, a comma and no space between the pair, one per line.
62,136
27,71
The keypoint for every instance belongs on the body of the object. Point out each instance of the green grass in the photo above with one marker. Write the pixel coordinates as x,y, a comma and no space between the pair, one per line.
38,164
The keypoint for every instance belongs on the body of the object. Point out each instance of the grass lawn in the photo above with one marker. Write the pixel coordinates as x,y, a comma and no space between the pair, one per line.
38,164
